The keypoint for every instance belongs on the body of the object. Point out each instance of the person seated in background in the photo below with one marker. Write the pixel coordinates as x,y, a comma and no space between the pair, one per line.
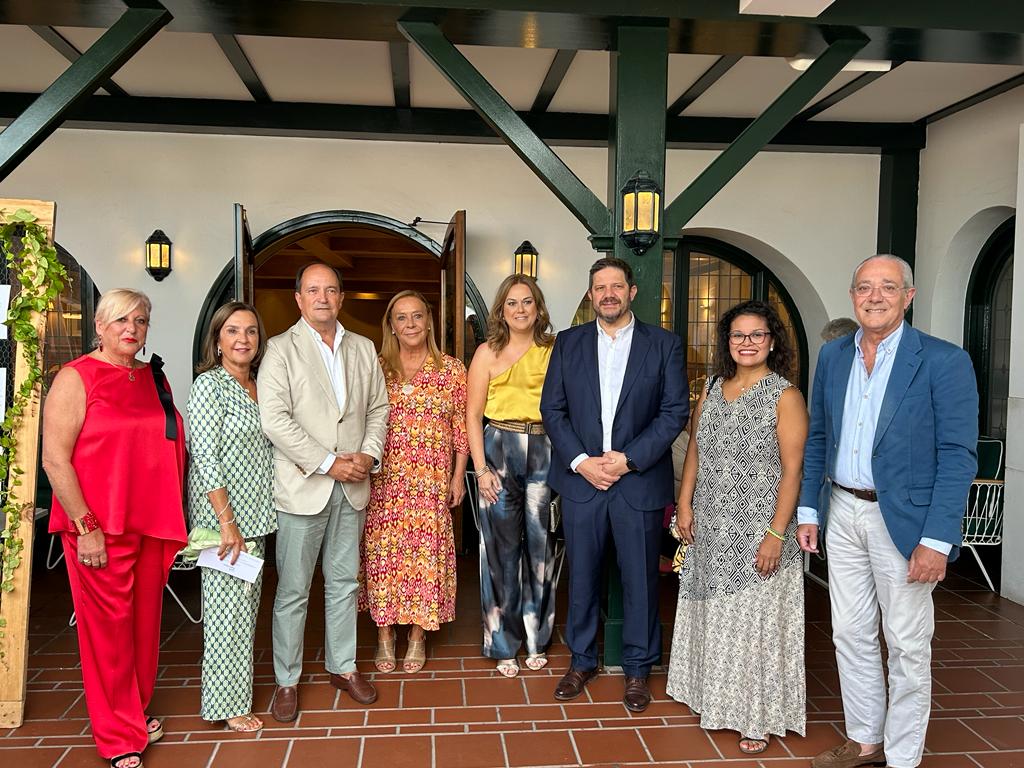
836,329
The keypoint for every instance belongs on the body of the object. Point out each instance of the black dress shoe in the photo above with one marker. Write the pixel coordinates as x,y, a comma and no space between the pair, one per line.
637,695
285,707
572,683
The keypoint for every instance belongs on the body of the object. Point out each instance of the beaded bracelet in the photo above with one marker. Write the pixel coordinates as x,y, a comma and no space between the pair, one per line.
772,532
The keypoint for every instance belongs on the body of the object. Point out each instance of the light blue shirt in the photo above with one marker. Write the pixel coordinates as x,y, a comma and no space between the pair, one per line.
864,395
612,357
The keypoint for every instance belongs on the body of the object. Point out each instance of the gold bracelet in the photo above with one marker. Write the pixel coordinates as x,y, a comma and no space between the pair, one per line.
482,472
772,532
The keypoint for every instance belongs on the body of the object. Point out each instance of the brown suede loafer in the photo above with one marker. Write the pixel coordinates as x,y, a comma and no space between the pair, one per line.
848,755
637,695
285,707
357,686
573,682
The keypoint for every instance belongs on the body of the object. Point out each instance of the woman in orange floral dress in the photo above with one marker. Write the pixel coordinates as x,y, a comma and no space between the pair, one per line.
408,547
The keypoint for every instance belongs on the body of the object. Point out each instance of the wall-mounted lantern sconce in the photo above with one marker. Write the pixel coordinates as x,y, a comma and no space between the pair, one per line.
641,205
158,255
526,259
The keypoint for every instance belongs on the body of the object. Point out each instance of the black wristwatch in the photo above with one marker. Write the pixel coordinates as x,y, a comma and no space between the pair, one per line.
631,465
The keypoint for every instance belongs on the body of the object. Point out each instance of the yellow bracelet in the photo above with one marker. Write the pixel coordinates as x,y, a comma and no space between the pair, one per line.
772,532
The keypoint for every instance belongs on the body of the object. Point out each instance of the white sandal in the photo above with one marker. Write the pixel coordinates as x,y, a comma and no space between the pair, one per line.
508,667
536,661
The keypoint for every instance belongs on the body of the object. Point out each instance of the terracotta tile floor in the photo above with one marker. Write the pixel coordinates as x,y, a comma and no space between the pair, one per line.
458,713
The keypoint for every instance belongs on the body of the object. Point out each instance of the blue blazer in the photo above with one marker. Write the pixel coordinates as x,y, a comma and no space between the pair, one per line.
652,410
925,449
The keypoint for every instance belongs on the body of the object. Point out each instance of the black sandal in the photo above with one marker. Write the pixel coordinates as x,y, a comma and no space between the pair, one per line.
115,761
154,729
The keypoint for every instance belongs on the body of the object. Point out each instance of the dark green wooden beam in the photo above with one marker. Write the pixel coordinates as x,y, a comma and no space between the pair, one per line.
553,79
104,57
898,181
970,101
760,132
702,84
63,46
400,77
841,93
497,113
236,57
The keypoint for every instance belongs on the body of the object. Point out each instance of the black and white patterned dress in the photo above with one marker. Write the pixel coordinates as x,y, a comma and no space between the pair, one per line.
738,643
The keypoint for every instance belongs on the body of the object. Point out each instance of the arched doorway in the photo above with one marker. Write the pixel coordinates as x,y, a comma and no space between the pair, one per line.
376,255
987,327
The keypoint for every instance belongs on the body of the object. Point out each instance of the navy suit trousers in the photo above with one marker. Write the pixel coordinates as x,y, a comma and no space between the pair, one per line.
637,536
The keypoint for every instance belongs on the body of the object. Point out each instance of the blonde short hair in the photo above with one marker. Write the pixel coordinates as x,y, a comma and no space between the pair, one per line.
118,302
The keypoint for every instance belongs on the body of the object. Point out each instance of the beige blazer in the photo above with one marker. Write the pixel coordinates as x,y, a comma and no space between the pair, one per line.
299,413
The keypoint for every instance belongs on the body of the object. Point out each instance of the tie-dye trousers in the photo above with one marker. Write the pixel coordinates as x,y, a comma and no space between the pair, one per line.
516,550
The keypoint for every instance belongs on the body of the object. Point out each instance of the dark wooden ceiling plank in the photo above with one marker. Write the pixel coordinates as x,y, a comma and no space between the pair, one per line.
978,98
65,48
553,79
224,116
400,77
702,84
839,94
243,67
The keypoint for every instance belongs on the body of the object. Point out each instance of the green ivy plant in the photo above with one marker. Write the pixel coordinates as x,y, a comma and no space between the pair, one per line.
33,261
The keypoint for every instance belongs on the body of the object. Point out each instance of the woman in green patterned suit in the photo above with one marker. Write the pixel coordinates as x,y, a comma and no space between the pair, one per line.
230,491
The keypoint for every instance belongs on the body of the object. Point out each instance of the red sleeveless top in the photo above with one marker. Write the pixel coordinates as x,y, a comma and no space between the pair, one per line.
131,475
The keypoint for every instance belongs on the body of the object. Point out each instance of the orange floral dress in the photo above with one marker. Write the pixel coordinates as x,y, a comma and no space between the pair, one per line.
408,551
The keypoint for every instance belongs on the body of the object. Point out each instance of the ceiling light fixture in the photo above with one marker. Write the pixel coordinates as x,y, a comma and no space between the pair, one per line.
806,8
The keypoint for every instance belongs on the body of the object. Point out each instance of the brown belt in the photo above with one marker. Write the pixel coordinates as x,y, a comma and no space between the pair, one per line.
522,427
860,493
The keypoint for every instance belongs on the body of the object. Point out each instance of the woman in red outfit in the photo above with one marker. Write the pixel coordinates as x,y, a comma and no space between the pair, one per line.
113,448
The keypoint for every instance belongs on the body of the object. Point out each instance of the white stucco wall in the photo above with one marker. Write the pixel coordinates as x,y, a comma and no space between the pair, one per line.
810,217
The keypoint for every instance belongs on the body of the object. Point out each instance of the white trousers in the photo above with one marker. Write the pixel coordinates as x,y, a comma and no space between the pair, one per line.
866,572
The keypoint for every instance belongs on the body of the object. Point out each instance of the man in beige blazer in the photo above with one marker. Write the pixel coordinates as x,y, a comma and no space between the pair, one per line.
324,406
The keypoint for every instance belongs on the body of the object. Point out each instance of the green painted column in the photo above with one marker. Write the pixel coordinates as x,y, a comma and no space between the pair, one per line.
639,94
638,99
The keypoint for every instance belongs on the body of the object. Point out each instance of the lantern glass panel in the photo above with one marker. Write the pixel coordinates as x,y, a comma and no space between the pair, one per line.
629,212
646,212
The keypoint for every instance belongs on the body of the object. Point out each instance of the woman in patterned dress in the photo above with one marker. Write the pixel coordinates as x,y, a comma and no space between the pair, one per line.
738,643
512,455
230,485
408,547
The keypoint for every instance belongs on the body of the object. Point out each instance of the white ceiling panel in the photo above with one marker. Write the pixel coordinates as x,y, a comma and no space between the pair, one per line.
319,70
174,64
752,85
585,87
684,70
27,64
515,73
916,89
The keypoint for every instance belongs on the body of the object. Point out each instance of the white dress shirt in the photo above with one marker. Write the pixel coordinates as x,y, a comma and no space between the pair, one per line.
861,408
612,357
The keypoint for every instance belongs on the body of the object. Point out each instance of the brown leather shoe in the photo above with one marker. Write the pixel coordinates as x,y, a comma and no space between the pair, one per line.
848,755
357,686
637,695
572,683
285,706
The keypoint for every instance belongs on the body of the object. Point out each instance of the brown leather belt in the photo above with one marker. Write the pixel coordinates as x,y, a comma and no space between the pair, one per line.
860,493
522,427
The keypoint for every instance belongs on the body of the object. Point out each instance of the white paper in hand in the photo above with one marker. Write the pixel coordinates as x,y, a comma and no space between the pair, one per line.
247,568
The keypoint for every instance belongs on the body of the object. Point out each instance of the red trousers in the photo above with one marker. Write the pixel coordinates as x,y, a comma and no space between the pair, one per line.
118,615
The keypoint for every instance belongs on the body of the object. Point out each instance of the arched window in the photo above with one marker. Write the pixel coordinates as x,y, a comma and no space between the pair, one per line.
702,279
987,327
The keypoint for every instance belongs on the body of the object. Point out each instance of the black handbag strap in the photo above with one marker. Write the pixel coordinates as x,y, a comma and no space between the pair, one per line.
170,423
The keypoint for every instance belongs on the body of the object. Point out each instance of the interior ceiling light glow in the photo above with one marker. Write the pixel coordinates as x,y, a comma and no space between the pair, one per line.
857,65
807,8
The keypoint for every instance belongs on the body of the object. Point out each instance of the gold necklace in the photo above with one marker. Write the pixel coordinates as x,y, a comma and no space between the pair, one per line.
407,387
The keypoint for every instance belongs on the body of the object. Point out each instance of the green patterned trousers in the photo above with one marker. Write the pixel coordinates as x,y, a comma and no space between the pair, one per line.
229,628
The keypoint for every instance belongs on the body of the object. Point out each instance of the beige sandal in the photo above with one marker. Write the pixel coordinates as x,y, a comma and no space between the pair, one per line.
508,667
416,654
536,661
244,724
385,660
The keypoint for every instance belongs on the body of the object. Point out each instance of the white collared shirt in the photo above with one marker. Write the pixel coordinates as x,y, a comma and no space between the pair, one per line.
335,366
612,357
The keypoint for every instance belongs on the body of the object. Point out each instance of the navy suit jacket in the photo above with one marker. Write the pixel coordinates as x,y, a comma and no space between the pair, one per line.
925,450
652,410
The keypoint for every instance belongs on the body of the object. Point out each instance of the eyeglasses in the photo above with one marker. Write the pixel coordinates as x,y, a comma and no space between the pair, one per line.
756,337
888,290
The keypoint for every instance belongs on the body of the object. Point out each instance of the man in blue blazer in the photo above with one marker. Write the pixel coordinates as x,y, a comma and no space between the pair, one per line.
615,397
891,453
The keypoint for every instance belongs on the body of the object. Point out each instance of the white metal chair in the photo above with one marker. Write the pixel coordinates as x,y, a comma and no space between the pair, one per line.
983,520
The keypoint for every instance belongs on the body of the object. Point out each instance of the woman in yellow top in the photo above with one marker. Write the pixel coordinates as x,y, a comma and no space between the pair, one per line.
511,456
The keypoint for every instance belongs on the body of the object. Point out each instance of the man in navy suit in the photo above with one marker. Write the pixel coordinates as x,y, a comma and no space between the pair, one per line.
892,453
615,397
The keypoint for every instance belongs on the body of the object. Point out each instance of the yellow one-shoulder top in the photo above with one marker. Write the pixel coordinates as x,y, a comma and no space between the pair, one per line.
514,394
